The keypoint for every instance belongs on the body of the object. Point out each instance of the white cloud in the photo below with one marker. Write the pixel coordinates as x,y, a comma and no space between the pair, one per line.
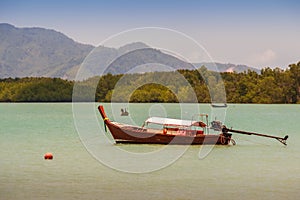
266,57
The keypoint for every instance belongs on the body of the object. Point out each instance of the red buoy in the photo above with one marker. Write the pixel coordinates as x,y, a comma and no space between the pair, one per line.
48,156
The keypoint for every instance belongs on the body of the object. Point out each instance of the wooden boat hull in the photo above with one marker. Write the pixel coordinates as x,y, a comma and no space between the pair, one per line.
138,135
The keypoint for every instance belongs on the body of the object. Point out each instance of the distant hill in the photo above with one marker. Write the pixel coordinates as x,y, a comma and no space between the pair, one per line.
39,52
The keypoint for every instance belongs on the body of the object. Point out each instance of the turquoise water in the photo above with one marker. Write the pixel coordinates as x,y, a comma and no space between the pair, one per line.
256,168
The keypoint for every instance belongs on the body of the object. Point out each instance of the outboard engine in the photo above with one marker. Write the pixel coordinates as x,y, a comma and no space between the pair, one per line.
216,125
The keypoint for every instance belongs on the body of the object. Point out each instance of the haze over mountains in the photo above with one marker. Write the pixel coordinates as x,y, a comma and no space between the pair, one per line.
39,52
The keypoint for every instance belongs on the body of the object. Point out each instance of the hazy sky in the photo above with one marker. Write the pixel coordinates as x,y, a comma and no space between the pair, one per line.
256,33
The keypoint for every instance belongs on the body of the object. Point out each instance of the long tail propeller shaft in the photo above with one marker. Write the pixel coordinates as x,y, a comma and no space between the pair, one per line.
280,139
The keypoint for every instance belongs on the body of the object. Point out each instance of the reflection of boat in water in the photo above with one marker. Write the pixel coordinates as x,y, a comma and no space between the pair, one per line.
175,131
124,112
219,105
164,131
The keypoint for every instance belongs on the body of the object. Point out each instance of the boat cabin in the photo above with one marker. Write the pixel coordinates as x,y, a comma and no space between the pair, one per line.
175,126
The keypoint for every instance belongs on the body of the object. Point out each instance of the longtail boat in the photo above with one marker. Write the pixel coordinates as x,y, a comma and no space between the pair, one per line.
174,131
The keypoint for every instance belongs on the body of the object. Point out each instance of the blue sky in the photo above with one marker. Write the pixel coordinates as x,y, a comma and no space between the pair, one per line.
255,33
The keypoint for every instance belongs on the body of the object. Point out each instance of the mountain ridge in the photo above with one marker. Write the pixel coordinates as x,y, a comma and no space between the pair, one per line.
40,52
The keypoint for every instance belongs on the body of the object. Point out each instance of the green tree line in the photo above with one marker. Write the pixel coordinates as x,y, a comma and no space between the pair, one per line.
35,90
203,86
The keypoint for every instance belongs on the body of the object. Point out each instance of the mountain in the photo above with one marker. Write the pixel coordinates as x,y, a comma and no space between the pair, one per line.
145,59
39,52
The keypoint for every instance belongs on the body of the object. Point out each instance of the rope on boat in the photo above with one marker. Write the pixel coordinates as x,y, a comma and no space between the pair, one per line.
232,141
223,140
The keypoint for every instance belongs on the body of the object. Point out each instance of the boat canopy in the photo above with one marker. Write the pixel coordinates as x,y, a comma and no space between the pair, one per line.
174,122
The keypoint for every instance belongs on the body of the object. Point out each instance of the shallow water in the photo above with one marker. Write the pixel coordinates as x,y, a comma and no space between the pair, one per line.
256,168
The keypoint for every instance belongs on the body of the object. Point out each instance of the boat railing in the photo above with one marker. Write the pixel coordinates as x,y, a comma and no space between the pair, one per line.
202,117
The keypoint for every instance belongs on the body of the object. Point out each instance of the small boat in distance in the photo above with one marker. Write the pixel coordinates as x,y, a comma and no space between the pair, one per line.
124,112
219,105
175,131
165,131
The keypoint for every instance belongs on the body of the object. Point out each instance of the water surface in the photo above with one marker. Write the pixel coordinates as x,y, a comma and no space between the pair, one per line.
256,168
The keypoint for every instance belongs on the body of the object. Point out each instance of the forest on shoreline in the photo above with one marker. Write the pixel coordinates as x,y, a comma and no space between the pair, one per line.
203,86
